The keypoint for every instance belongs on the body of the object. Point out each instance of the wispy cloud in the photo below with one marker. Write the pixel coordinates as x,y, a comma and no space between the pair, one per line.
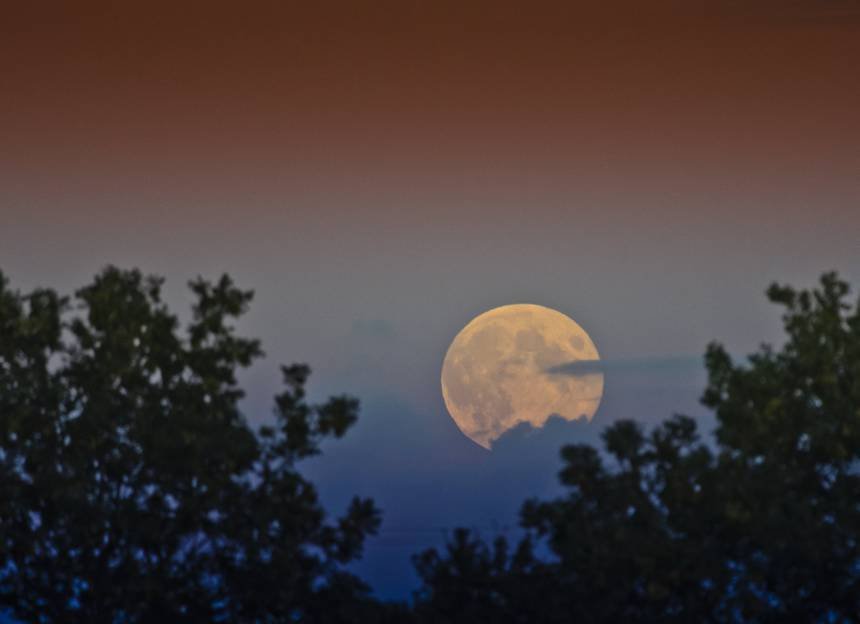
592,367
373,328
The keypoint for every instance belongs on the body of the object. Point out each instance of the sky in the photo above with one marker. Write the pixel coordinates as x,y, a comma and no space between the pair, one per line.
380,173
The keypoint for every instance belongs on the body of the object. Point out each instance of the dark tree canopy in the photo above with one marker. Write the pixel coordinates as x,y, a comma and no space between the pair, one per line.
132,489
761,525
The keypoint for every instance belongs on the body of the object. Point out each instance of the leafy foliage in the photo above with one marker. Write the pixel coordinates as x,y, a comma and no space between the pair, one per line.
133,490
131,487
760,526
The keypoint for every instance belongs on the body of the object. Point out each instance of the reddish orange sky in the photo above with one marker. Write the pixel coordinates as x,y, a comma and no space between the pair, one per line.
412,92
503,149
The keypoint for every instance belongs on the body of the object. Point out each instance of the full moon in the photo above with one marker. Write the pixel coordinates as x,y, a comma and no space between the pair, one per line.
496,373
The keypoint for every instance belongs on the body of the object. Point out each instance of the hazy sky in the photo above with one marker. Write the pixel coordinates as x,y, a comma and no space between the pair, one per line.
381,172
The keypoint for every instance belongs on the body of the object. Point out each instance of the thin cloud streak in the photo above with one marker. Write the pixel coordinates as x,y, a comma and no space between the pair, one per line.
592,367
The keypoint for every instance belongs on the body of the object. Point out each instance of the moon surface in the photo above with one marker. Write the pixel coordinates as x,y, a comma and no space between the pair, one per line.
495,374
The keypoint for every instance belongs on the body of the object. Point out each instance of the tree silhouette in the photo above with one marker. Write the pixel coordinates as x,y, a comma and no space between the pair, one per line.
131,487
133,490
762,525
